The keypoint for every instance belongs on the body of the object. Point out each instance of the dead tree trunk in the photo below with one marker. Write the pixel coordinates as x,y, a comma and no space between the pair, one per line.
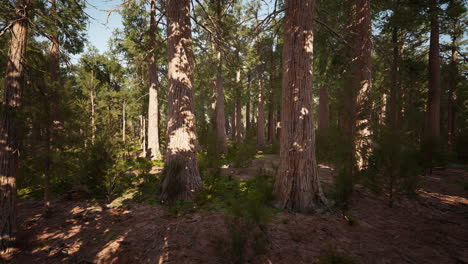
297,185
181,179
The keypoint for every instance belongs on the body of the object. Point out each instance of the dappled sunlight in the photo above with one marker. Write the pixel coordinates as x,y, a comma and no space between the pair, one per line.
107,254
444,198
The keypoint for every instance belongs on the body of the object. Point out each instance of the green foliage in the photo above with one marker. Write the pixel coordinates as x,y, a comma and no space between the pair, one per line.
241,154
393,166
273,148
247,207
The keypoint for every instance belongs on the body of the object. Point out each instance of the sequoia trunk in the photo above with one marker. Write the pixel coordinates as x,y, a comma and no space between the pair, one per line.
9,129
181,179
297,185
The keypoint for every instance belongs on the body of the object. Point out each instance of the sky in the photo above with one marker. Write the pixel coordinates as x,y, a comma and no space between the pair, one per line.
100,25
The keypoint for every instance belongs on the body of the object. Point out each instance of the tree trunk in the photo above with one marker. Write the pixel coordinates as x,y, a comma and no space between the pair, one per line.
53,105
297,185
278,124
452,97
92,97
261,142
154,152
124,122
238,109
393,104
324,111
247,107
143,136
360,106
181,179
238,120
433,102
271,124
9,135
220,118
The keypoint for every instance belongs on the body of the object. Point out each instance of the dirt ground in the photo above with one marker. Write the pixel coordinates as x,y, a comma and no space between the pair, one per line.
430,229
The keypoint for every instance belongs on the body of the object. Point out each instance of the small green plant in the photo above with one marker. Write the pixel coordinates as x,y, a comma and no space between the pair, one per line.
248,211
393,166
241,154
273,148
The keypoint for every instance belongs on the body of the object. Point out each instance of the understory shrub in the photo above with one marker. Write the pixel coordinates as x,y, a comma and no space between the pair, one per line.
393,168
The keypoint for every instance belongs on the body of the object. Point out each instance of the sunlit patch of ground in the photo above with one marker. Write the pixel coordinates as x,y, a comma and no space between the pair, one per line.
429,229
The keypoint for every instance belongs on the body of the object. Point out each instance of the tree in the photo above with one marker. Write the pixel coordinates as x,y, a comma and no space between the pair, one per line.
153,121
432,129
9,129
362,80
297,185
181,177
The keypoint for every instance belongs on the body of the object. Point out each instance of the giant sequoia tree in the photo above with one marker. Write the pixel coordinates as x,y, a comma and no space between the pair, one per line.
181,177
297,185
9,127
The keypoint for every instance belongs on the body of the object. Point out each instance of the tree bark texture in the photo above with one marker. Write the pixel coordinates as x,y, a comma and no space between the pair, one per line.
153,150
433,102
181,179
261,141
9,130
297,185
393,102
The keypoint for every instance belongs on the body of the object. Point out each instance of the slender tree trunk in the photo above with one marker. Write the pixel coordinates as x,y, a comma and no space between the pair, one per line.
393,106
247,107
9,130
297,185
452,97
432,131
53,105
359,105
278,124
92,97
261,142
238,120
238,108
220,117
324,111
181,179
124,121
271,125
143,136
153,122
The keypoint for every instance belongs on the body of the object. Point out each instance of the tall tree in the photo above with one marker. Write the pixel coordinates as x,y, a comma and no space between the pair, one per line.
297,185
432,131
362,80
181,177
9,129
153,121
261,141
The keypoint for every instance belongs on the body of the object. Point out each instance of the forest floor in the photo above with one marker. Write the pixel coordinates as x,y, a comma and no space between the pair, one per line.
433,228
